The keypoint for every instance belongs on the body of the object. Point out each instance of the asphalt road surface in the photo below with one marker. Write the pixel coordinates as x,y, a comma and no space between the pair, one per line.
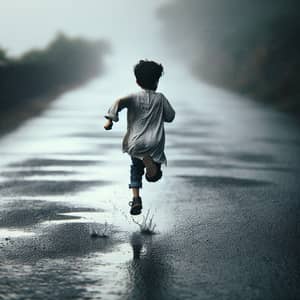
226,211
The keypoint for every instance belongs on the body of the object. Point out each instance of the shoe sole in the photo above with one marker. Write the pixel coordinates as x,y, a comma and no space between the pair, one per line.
135,211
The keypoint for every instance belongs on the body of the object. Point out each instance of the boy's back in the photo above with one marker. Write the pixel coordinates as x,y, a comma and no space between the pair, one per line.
147,111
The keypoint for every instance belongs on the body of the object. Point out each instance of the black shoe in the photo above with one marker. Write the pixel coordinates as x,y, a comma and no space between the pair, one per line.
155,178
136,206
153,169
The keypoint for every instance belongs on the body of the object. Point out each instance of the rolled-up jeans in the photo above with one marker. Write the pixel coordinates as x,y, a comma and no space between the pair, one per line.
137,170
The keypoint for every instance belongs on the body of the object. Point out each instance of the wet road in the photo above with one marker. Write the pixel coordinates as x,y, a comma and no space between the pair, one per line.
226,210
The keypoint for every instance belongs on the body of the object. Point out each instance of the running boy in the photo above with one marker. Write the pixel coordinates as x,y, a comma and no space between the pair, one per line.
144,141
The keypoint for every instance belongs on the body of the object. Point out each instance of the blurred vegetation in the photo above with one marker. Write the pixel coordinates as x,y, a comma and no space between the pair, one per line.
247,46
39,73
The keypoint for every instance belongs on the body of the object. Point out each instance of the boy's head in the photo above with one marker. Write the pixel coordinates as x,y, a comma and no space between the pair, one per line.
147,74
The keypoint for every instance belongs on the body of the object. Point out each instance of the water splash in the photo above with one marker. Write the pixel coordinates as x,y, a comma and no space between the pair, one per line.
100,232
147,226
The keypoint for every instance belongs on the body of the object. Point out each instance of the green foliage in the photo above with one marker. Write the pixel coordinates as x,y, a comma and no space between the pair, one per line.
3,56
64,63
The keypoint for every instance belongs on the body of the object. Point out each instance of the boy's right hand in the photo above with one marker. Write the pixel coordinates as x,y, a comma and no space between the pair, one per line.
108,125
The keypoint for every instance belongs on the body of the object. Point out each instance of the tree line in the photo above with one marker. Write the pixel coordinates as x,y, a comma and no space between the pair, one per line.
251,47
63,64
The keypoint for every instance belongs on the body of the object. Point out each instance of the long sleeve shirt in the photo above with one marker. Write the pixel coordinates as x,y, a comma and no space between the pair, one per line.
146,113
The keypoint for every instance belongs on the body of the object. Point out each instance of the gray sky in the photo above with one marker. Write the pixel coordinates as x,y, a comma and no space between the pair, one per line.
130,25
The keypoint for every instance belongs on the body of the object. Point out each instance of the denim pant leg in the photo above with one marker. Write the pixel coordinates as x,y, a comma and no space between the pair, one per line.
136,173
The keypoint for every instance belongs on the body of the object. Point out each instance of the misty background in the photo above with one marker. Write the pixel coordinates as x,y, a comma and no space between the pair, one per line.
50,47
251,47
247,47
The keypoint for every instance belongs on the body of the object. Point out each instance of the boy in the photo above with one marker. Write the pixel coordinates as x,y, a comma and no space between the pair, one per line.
144,141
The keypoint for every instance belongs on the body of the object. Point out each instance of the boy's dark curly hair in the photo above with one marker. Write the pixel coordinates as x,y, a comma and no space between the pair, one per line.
147,74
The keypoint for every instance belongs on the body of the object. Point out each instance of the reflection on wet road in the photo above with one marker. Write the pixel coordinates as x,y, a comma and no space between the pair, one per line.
226,210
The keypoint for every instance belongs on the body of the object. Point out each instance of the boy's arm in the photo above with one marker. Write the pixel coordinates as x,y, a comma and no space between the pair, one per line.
113,112
169,112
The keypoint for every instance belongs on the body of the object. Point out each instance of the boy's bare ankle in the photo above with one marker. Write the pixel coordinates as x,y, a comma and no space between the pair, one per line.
136,193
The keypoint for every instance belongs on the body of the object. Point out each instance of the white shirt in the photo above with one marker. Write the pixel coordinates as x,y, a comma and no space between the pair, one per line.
146,113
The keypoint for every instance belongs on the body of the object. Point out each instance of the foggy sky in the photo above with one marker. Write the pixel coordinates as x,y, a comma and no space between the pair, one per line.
32,23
